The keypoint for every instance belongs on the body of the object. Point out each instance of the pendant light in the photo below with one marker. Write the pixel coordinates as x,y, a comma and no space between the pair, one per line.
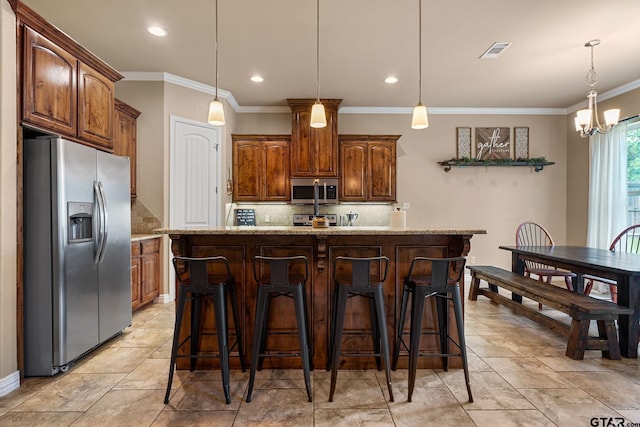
420,119
216,110
318,117
587,121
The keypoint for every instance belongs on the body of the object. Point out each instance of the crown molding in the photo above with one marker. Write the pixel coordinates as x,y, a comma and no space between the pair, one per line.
228,96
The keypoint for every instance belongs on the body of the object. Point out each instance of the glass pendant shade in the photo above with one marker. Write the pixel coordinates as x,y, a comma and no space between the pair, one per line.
612,116
420,119
578,125
584,117
216,113
318,117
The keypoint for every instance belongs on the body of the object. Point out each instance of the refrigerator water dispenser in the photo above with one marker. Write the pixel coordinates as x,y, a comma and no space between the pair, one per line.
80,221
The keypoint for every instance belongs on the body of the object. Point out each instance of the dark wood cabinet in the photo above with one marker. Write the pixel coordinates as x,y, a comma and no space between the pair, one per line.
145,272
368,168
135,275
125,137
314,152
49,85
64,88
95,107
261,167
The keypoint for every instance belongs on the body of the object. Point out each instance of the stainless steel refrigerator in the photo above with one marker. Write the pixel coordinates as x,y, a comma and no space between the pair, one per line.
77,251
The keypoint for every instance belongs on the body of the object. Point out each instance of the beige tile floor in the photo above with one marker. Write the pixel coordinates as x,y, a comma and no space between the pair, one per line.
519,374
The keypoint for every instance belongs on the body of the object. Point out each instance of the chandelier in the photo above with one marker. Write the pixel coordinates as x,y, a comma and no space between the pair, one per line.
587,121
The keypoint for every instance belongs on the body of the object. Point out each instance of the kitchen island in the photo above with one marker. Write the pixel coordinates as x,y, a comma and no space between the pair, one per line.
320,245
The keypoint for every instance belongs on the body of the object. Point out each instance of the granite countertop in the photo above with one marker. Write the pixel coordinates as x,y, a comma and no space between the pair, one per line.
145,236
290,230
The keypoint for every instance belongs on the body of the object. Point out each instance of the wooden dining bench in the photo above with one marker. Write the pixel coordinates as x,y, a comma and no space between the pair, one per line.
582,309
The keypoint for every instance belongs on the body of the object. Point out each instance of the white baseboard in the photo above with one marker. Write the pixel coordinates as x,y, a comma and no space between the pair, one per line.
9,383
163,299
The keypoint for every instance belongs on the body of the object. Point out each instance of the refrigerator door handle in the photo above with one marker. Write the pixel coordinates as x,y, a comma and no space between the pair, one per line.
104,221
99,242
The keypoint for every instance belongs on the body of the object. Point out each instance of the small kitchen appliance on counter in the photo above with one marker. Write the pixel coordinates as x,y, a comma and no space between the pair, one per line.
307,219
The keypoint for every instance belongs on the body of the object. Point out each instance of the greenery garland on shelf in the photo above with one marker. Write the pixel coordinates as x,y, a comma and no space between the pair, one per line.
538,163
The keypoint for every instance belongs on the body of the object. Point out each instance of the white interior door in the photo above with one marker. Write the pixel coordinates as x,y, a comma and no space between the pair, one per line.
194,174
194,179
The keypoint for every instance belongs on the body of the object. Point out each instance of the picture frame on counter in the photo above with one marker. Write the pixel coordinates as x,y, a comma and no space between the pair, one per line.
463,142
520,143
493,143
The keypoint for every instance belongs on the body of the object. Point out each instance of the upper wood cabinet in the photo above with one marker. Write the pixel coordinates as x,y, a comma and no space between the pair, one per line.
314,152
96,97
368,168
49,95
261,167
125,137
64,88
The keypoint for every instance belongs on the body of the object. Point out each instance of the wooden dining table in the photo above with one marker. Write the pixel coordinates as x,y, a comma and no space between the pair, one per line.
624,268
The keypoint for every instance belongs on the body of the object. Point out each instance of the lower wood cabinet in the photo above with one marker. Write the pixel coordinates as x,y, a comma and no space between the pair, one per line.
145,272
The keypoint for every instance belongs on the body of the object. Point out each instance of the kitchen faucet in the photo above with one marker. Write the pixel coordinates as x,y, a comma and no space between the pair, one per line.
316,197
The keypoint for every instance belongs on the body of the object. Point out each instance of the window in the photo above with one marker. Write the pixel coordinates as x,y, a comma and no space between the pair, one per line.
633,172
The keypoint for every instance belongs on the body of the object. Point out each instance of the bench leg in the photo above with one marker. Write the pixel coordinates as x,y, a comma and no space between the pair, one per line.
607,330
475,287
578,338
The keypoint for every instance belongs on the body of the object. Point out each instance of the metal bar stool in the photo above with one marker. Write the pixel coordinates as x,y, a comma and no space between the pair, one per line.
197,279
363,283
280,277
436,283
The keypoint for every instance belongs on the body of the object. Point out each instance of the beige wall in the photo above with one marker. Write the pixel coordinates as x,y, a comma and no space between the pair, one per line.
496,199
8,168
158,101
578,166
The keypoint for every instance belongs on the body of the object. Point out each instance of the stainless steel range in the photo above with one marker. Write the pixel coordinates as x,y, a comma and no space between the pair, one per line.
307,219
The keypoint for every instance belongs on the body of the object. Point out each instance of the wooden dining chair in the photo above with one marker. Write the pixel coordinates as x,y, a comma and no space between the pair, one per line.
530,233
627,241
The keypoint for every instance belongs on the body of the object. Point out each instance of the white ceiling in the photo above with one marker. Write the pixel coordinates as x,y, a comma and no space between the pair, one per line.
364,41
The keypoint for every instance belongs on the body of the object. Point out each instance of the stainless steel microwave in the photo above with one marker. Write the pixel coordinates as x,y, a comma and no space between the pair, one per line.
302,190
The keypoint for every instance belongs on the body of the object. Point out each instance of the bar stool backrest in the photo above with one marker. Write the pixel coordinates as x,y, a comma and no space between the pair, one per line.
281,269
203,271
443,271
361,274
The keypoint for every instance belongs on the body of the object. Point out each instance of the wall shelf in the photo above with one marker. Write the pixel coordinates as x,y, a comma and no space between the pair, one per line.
536,164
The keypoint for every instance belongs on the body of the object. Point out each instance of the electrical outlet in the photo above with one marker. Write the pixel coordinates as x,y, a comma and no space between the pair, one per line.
267,218
473,260
406,206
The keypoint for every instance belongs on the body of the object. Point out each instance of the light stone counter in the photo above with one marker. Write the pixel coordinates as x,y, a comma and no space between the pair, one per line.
145,236
308,230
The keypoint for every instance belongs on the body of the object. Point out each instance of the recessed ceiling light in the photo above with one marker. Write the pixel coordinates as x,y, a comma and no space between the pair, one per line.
257,79
391,80
157,31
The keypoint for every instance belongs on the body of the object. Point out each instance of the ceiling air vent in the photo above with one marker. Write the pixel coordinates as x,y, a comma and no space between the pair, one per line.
495,50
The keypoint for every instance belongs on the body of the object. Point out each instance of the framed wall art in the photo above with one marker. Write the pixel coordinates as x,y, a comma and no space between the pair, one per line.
493,143
463,142
520,143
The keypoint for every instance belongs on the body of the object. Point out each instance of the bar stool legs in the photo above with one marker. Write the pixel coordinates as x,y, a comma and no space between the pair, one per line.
196,285
279,283
360,285
440,287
